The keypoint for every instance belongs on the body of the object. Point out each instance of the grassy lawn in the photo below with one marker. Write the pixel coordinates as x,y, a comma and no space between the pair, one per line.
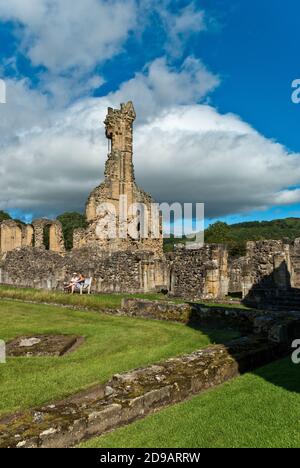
260,409
112,344
94,301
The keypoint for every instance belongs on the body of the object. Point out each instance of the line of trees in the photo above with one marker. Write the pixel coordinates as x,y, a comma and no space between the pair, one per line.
234,236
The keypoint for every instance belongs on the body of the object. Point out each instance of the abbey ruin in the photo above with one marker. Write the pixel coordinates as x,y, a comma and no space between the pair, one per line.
132,260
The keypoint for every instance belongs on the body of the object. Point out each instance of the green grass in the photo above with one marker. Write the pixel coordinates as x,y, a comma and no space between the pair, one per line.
226,305
93,301
261,409
112,344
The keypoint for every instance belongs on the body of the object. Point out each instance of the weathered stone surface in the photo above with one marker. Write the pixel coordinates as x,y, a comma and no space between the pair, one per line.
269,274
133,395
116,272
56,240
119,183
279,327
10,236
199,273
42,345
160,310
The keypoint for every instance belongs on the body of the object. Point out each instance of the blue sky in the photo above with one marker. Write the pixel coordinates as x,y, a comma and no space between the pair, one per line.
220,58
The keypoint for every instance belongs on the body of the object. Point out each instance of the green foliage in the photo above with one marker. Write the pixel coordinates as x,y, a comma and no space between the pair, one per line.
70,221
235,236
4,216
46,237
170,241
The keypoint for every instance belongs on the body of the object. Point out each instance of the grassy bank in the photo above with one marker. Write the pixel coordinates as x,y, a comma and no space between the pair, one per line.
261,409
94,301
112,344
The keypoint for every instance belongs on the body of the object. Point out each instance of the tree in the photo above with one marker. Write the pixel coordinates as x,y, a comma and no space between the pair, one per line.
70,221
218,233
4,216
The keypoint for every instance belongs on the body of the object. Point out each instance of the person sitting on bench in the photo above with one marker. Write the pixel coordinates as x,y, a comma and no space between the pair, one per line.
78,283
70,287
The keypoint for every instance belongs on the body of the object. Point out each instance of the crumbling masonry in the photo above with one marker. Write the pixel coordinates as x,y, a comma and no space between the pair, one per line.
133,259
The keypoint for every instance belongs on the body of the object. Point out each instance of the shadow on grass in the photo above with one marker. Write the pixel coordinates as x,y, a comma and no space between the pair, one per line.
286,374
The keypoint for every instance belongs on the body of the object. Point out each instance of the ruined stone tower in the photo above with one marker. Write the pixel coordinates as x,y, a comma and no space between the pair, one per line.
138,224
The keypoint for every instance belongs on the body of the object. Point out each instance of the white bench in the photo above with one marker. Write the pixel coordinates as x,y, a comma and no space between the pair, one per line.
85,287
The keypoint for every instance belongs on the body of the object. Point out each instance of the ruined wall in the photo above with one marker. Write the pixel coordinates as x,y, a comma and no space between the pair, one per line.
267,266
27,235
111,201
295,263
14,235
10,236
117,272
200,273
269,275
56,240
236,269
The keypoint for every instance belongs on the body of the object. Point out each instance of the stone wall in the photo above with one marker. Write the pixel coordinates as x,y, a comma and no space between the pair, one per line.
14,235
56,240
269,274
116,272
200,273
10,236
279,327
191,273
236,269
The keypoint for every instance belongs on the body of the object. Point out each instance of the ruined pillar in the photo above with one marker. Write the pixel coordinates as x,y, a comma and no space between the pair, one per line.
38,228
56,241
27,235
11,236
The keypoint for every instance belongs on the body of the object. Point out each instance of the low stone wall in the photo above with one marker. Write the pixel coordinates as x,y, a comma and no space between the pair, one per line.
158,310
130,396
280,327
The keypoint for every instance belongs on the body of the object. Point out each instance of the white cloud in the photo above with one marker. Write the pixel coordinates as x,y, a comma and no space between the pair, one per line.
160,87
180,26
193,153
62,35
53,155
185,153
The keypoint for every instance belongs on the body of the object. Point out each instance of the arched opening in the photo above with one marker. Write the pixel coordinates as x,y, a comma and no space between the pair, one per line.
46,237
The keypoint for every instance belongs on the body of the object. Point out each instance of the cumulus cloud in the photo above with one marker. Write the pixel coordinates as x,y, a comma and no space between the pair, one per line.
187,153
160,86
53,154
71,40
180,26
193,153
61,35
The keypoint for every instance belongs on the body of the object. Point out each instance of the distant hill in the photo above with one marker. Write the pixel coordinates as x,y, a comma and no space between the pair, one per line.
236,235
